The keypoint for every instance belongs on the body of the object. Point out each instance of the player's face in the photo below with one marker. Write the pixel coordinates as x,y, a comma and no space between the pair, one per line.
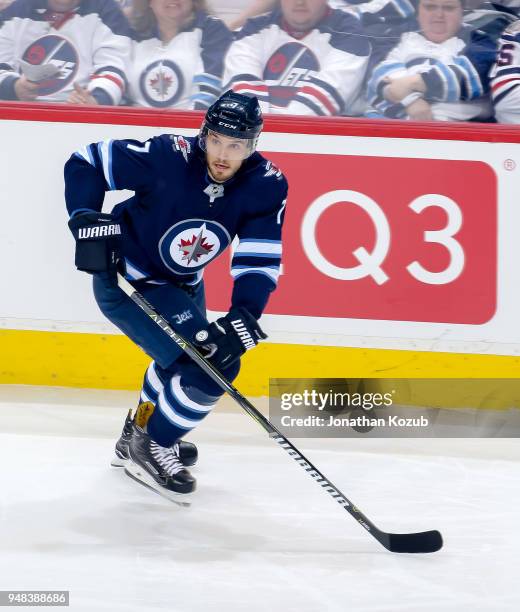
302,15
440,19
172,10
62,6
224,155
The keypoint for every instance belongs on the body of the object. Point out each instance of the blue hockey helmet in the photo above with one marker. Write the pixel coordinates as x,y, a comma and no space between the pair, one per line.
236,116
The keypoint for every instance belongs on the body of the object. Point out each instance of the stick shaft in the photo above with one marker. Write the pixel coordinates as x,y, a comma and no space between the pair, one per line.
274,433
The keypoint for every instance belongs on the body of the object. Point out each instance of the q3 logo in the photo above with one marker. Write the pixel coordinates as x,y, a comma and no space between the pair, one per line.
371,263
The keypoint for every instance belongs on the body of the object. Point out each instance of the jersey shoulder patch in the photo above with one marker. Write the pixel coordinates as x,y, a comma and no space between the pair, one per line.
271,170
181,145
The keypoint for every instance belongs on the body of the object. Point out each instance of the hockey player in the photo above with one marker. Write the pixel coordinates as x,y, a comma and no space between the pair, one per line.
192,197
64,51
302,59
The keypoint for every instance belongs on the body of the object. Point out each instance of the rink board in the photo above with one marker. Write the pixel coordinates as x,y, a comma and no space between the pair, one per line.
400,254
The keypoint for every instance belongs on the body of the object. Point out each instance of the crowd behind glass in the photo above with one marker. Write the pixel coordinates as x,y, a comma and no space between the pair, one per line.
443,60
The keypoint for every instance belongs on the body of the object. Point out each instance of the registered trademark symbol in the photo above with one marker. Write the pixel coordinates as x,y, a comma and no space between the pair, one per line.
509,164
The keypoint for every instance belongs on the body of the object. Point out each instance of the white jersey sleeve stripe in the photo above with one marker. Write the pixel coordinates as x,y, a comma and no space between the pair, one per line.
85,154
474,85
272,273
450,81
133,272
252,247
257,254
105,154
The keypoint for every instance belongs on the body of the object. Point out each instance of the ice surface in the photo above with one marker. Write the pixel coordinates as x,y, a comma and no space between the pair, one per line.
260,535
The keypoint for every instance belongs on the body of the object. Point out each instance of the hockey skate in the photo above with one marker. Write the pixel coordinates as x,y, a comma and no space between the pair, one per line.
187,451
158,468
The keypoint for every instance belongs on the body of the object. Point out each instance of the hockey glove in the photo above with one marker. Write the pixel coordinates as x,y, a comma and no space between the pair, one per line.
229,337
97,238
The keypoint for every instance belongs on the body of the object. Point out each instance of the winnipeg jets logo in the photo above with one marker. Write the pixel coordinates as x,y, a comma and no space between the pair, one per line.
161,83
191,244
197,247
288,69
53,50
182,145
214,191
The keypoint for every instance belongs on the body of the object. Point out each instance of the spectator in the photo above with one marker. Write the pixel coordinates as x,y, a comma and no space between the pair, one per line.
63,51
254,8
387,10
303,58
380,10
505,76
179,62
438,72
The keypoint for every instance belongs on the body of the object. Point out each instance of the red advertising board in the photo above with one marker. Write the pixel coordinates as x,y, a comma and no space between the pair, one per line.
376,238
383,238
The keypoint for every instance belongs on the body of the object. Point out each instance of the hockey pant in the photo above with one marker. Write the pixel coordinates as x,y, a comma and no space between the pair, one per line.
181,392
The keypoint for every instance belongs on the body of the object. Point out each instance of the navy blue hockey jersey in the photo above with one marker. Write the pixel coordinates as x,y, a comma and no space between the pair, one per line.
179,219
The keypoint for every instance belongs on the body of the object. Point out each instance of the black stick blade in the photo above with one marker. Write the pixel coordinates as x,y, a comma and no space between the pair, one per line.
424,542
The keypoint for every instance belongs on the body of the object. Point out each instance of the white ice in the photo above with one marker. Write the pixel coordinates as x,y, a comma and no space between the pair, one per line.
260,534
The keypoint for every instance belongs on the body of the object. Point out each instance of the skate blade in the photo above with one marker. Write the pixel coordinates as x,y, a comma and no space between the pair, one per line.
142,477
118,461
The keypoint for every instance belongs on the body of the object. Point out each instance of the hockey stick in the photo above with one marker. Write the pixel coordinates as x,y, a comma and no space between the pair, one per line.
423,542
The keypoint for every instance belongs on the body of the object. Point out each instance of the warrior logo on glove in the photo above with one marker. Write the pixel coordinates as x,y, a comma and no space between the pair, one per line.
94,231
97,241
243,334
229,337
